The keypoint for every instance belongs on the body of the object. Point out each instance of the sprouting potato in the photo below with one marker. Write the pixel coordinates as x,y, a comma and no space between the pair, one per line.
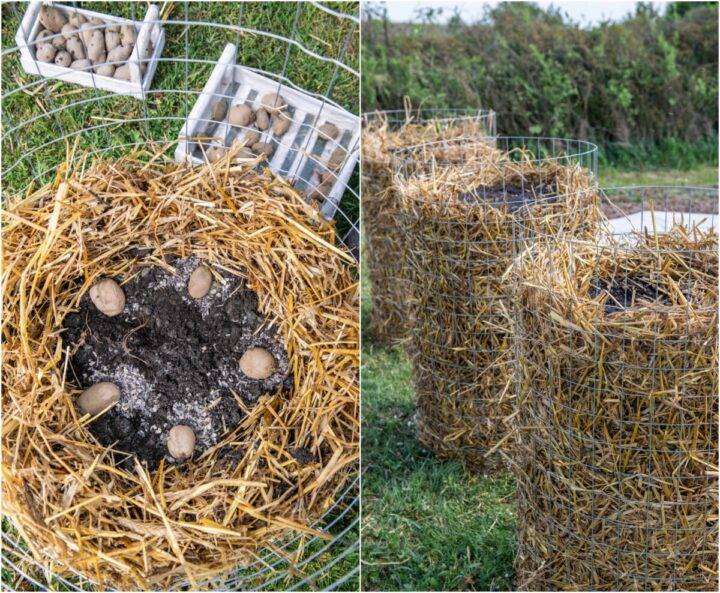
46,52
247,139
40,37
240,115
63,58
257,363
328,131
262,119
52,19
219,110
181,442
281,124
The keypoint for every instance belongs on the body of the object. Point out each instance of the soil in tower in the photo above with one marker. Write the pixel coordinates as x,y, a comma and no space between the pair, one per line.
512,196
174,358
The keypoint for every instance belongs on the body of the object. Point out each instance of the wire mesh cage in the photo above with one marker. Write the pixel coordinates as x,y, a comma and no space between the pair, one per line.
57,126
384,132
617,418
461,203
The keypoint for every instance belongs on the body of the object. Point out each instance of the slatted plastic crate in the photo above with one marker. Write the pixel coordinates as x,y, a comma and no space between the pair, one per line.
299,153
148,31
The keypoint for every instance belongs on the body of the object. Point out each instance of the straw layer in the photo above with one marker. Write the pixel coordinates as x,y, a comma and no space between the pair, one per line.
290,457
617,426
461,226
384,243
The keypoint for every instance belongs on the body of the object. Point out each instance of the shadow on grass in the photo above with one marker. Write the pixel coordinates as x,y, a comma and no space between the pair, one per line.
426,525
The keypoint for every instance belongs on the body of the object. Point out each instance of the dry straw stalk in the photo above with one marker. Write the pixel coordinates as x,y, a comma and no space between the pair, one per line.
143,530
617,428
384,243
461,240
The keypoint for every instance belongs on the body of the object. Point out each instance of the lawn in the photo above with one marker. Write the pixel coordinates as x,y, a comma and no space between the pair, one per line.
40,119
427,526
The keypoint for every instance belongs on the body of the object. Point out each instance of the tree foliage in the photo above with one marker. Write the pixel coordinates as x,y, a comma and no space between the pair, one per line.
642,80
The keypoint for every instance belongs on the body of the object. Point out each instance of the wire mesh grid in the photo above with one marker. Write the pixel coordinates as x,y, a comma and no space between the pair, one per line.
461,202
617,417
46,122
383,243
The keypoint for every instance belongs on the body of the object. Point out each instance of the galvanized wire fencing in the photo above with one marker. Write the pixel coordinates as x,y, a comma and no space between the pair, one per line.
461,202
51,126
384,247
617,415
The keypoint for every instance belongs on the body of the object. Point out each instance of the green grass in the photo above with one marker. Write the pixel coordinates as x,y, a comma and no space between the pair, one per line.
125,120
426,525
698,175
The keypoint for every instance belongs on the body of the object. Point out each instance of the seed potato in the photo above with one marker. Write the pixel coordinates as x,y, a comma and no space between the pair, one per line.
262,119
108,297
181,442
105,70
281,123
127,33
99,397
112,39
263,148
52,19
83,64
75,47
59,42
63,58
257,363
219,110
119,53
272,102
328,131
245,153
46,52
240,115
200,282
337,158
122,72
215,153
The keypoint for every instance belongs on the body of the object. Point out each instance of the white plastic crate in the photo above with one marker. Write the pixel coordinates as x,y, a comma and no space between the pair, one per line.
148,30
299,153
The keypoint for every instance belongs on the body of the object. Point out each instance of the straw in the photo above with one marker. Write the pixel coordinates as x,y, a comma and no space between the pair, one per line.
384,245
617,452
138,530
460,228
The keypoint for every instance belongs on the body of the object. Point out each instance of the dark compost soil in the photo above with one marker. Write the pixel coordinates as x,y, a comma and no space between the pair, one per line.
512,196
174,358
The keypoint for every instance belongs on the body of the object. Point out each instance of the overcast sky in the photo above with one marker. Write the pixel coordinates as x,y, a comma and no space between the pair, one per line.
585,12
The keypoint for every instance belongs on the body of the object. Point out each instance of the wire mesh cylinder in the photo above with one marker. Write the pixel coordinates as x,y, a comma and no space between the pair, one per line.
52,127
384,247
617,421
460,207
